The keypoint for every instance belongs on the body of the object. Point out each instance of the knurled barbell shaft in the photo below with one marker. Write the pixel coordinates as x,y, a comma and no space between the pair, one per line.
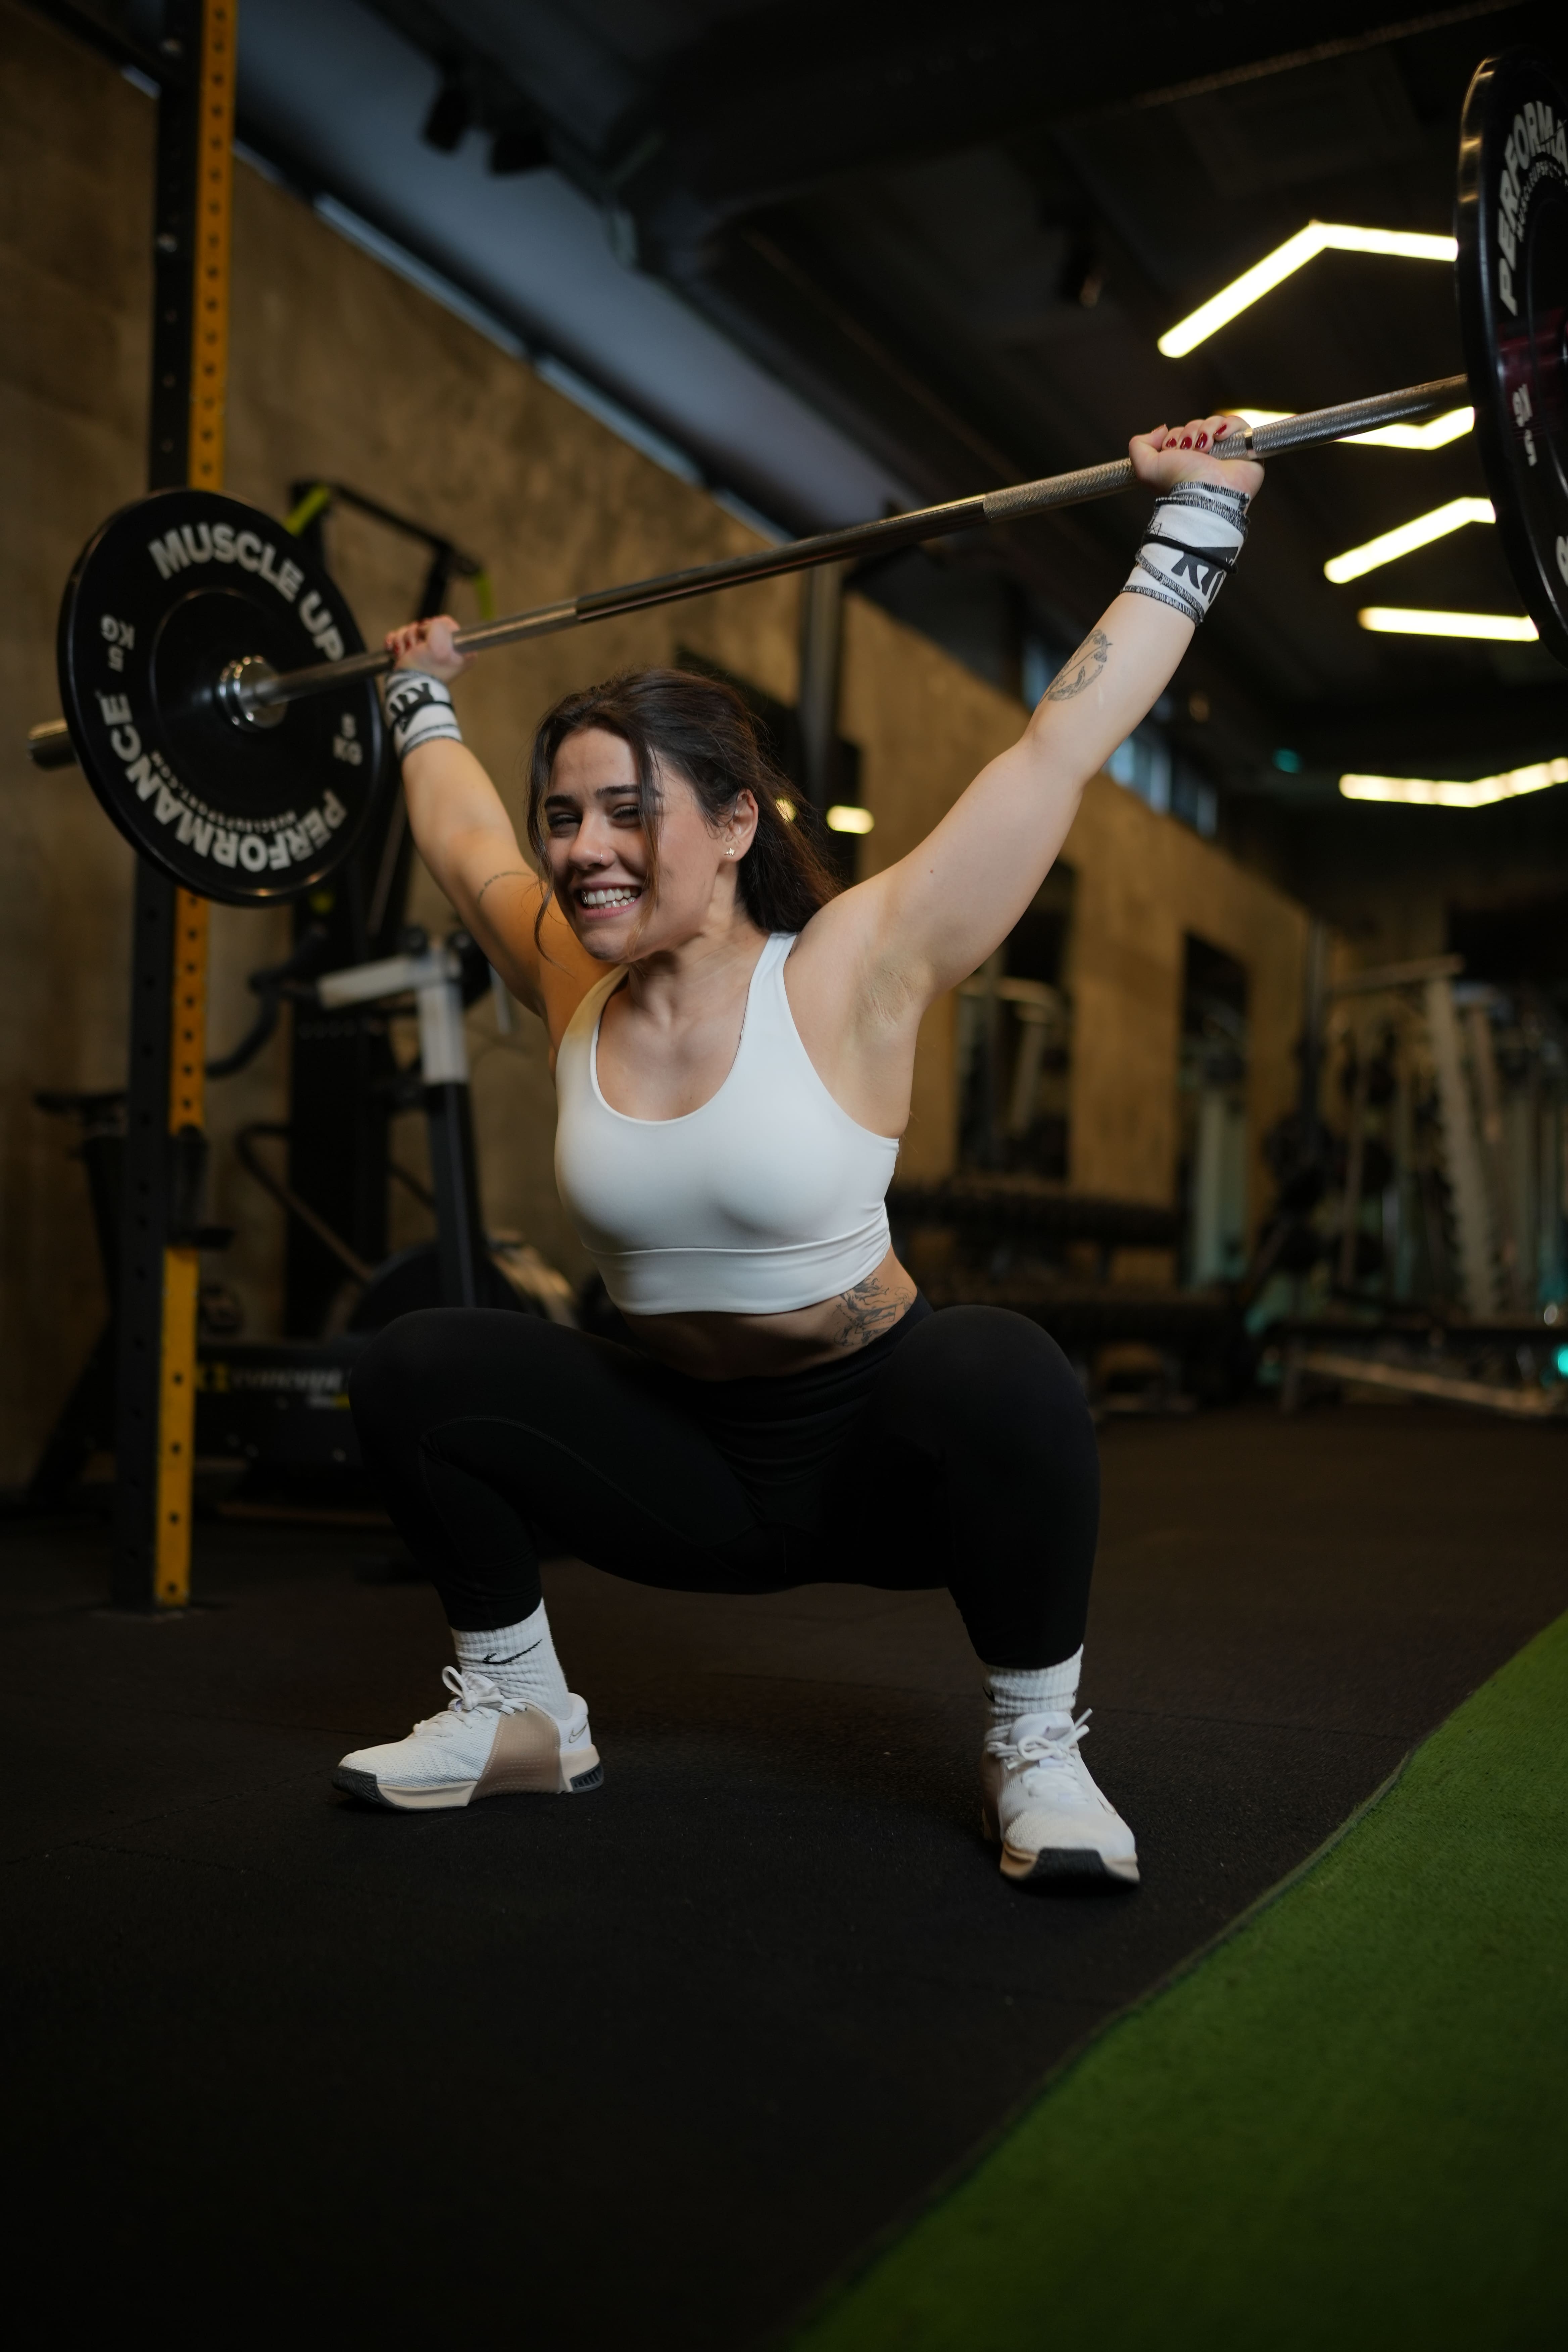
862,539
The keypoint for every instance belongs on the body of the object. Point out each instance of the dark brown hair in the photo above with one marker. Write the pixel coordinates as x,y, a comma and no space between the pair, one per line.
700,729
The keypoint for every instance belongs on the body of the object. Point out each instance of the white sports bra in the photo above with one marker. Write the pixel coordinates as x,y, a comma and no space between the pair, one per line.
768,1197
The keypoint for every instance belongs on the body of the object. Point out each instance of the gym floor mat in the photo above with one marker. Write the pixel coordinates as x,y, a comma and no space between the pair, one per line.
1344,2126
651,2067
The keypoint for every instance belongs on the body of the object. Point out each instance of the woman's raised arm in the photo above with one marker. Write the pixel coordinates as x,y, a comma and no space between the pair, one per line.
464,836
938,914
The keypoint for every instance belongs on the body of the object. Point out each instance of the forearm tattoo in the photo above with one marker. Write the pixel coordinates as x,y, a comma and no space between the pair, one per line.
521,871
866,1311
1081,669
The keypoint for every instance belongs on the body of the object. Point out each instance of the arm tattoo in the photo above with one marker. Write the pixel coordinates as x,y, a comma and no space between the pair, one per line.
866,1310
520,870
1082,669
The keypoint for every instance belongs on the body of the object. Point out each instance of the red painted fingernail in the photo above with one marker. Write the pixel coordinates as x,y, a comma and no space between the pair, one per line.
1186,440
1202,440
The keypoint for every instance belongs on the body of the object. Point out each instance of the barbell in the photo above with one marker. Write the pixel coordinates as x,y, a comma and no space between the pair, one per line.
224,707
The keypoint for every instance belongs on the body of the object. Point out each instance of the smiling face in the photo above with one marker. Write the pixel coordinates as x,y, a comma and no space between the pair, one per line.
600,866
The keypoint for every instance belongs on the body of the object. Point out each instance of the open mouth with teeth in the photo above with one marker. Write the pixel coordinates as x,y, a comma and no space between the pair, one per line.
607,899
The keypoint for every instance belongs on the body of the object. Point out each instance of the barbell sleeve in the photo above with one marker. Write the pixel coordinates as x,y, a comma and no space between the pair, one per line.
49,744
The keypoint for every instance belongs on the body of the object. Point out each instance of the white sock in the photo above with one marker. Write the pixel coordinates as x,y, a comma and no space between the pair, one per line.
1014,1691
520,1660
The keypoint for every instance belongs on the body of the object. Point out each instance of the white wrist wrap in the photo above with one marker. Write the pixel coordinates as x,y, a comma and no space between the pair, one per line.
419,710
1194,536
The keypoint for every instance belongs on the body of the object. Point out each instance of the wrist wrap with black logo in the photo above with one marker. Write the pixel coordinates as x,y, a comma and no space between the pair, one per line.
1194,535
419,710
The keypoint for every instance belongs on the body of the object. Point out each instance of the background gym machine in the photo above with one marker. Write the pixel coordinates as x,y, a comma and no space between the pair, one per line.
277,1409
1418,1244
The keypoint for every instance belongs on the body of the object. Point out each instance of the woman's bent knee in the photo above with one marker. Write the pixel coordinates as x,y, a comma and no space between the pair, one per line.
398,1359
989,1372
439,1356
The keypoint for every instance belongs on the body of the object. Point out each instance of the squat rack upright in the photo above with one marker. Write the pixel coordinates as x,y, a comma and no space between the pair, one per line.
165,1144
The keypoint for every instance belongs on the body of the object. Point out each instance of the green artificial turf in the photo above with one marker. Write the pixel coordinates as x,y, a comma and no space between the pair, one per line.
1346,2128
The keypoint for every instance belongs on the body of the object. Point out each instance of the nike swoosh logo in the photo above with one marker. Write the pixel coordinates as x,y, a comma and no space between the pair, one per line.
492,1660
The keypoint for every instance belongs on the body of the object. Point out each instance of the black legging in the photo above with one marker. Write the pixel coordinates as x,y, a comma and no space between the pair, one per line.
956,1450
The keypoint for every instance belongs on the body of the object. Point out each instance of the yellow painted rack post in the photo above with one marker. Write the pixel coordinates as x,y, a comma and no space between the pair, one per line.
164,1146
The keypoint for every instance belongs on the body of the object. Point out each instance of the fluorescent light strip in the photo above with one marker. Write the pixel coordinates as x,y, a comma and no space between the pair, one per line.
1421,791
1318,237
1400,621
1434,434
1421,532
843,818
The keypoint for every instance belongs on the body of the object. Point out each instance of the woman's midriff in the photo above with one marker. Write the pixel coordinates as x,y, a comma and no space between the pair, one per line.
713,1347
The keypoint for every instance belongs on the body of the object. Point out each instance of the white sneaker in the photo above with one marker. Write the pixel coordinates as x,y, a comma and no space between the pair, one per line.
1039,1800
483,1745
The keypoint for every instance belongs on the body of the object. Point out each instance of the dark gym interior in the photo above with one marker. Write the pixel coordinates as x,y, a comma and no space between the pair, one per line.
1260,1112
